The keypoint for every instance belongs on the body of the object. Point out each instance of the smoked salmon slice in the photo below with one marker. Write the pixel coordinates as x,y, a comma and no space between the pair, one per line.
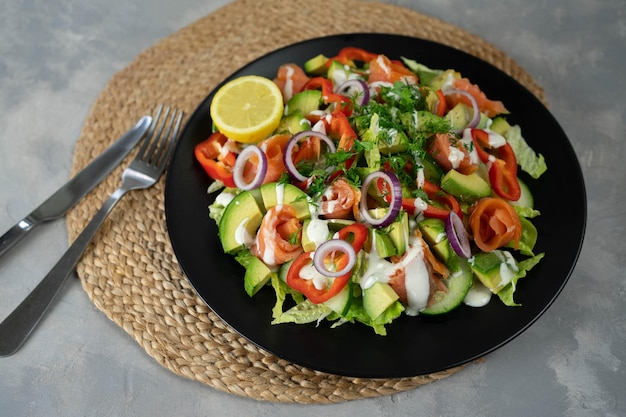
340,201
279,236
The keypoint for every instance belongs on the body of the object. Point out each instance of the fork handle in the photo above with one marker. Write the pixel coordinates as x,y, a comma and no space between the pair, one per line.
16,328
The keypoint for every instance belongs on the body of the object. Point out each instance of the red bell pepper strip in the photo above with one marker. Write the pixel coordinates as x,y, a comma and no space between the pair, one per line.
449,203
441,104
340,129
328,95
306,286
216,163
359,234
502,165
349,54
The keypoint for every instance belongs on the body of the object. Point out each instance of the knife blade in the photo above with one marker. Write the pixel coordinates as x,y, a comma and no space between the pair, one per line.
76,188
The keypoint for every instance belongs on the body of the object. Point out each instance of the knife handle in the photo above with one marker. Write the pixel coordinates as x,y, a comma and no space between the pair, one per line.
15,234
16,328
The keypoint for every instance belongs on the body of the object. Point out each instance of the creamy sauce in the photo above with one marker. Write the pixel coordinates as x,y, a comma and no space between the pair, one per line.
495,139
449,82
467,141
280,194
417,281
223,199
317,231
383,65
242,236
508,267
455,157
289,83
478,295
320,125
309,272
269,254
420,204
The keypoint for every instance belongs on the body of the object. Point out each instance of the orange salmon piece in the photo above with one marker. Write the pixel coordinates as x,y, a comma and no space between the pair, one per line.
279,236
340,201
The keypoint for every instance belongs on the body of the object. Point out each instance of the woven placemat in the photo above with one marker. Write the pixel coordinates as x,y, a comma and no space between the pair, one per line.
130,271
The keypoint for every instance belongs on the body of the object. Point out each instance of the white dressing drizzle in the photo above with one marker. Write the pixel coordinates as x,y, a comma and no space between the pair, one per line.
467,141
224,198
289,83
317,231
417,281
309,272
455,157
242,236
478,295
280,194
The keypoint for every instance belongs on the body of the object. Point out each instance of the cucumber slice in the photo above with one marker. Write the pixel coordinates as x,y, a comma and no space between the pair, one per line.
459,284
526,199
340,303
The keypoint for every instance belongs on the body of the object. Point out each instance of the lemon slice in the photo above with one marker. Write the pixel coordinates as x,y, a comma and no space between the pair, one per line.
247,109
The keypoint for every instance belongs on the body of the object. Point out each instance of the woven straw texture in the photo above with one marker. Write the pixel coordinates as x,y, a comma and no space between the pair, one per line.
130,272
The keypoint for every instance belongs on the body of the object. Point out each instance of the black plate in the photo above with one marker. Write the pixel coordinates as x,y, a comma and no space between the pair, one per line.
414,345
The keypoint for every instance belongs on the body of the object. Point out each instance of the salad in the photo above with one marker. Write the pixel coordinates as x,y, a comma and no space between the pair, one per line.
386,188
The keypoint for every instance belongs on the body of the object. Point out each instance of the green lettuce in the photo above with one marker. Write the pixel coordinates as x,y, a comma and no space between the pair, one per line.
506,293
529,161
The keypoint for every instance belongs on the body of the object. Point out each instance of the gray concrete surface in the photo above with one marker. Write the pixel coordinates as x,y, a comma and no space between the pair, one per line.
56,56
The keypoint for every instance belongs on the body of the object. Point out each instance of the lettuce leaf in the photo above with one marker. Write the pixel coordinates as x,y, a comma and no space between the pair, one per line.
529,161
506,293
304,312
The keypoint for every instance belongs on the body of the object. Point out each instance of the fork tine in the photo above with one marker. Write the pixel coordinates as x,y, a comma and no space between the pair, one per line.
149,135
155,139
157,152
172,141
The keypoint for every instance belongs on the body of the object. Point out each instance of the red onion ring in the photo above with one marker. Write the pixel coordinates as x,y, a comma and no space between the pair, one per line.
288,157
475,110
395,202
457,236
328,247
240,164
362,90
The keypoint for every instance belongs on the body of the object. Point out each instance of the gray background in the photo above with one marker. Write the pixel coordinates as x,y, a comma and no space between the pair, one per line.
57,55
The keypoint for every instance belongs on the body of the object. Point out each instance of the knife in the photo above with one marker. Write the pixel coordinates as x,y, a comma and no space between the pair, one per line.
65,197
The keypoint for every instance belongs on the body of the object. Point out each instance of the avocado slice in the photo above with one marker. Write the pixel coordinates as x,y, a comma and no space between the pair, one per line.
316,65
434,233
293,123
257,275
339,73
459,116
493,269
378,298
467,188
399,232
312,230
384,245
399,143
274,193
240,221
305,101
500,126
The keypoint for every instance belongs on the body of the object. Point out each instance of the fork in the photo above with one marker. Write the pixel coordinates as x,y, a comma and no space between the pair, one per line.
143,172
